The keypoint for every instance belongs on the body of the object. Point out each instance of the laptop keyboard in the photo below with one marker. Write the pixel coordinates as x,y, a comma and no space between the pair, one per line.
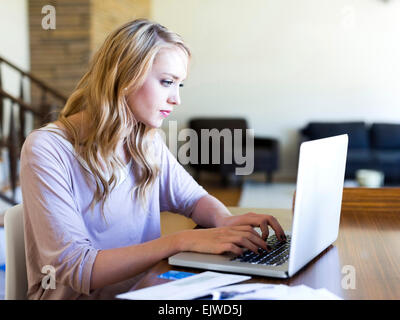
277,256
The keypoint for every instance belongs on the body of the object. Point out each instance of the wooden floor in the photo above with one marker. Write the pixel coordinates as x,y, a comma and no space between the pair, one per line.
229,196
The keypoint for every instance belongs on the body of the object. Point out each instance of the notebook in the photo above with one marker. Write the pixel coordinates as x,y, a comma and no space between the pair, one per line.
315,226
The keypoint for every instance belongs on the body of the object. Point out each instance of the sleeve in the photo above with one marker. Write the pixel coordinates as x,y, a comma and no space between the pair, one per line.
54,229
179,192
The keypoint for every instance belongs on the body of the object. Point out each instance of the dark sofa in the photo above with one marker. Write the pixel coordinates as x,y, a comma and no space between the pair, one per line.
371,146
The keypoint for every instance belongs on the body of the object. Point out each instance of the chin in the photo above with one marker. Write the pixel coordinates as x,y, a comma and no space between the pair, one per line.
154,125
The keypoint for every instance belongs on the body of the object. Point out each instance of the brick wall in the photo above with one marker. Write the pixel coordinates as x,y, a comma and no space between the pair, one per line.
60,57
107,15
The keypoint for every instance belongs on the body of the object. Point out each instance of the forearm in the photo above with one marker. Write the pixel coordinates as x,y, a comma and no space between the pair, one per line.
209,212
114,265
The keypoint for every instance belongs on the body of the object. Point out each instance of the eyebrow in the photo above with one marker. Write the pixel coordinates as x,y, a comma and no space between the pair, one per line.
172,75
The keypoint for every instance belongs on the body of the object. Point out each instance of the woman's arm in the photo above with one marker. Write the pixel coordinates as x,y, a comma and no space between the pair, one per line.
225,233
114,265
210,212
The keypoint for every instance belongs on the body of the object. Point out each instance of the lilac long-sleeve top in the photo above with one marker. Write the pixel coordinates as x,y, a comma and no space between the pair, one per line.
63,235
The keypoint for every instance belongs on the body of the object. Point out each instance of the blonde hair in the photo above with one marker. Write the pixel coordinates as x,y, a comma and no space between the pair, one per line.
123,61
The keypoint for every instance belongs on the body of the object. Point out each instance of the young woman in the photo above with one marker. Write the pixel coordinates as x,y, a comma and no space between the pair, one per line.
94,182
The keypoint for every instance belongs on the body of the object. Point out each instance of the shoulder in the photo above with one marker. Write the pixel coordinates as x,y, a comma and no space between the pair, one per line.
45,144
159,137
159,143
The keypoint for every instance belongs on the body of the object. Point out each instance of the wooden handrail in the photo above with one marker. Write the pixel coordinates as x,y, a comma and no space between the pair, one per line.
13,140
23,105
44,86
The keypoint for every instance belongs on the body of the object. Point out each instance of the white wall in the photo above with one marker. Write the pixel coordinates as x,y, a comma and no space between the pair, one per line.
14,40
14,46
282,63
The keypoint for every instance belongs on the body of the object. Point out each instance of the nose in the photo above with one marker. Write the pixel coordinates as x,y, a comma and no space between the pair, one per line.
175,98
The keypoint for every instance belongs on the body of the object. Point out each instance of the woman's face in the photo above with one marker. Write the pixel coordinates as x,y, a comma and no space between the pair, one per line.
158,96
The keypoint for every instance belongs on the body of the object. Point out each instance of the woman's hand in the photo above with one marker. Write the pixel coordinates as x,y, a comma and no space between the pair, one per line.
226,232
235,239
255,220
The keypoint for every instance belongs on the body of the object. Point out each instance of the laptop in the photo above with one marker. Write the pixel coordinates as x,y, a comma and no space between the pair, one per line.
315,225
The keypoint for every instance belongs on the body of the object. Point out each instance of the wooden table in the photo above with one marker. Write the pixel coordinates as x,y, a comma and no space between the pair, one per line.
368,247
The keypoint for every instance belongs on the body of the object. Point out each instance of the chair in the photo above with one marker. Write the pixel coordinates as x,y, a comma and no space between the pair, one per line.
266,150
16,276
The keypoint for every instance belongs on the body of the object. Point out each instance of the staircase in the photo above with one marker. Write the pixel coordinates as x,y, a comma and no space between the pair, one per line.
18,116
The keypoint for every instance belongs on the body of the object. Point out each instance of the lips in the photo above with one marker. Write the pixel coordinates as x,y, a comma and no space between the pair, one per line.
165,113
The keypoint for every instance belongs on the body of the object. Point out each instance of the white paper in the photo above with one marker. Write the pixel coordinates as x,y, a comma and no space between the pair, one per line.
188,288
261,291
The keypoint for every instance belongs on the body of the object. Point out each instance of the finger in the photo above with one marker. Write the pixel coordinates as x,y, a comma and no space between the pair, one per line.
247,228
261,221
246,243
231,247
280,233
255,240
258,220
253,235
258,241
264,229
249,218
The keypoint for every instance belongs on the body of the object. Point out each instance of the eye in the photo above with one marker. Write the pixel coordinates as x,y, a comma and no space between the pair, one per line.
166,83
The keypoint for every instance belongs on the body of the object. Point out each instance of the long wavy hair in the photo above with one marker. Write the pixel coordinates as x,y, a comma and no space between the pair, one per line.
123,61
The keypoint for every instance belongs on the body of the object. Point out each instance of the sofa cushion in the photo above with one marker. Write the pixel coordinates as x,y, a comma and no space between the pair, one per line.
357,131
386,157
385,136
360,157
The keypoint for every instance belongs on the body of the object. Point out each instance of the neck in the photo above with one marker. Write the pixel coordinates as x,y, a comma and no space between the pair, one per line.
79,122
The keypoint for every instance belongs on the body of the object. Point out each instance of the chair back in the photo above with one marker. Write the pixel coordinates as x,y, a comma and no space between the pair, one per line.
199,124
16,274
